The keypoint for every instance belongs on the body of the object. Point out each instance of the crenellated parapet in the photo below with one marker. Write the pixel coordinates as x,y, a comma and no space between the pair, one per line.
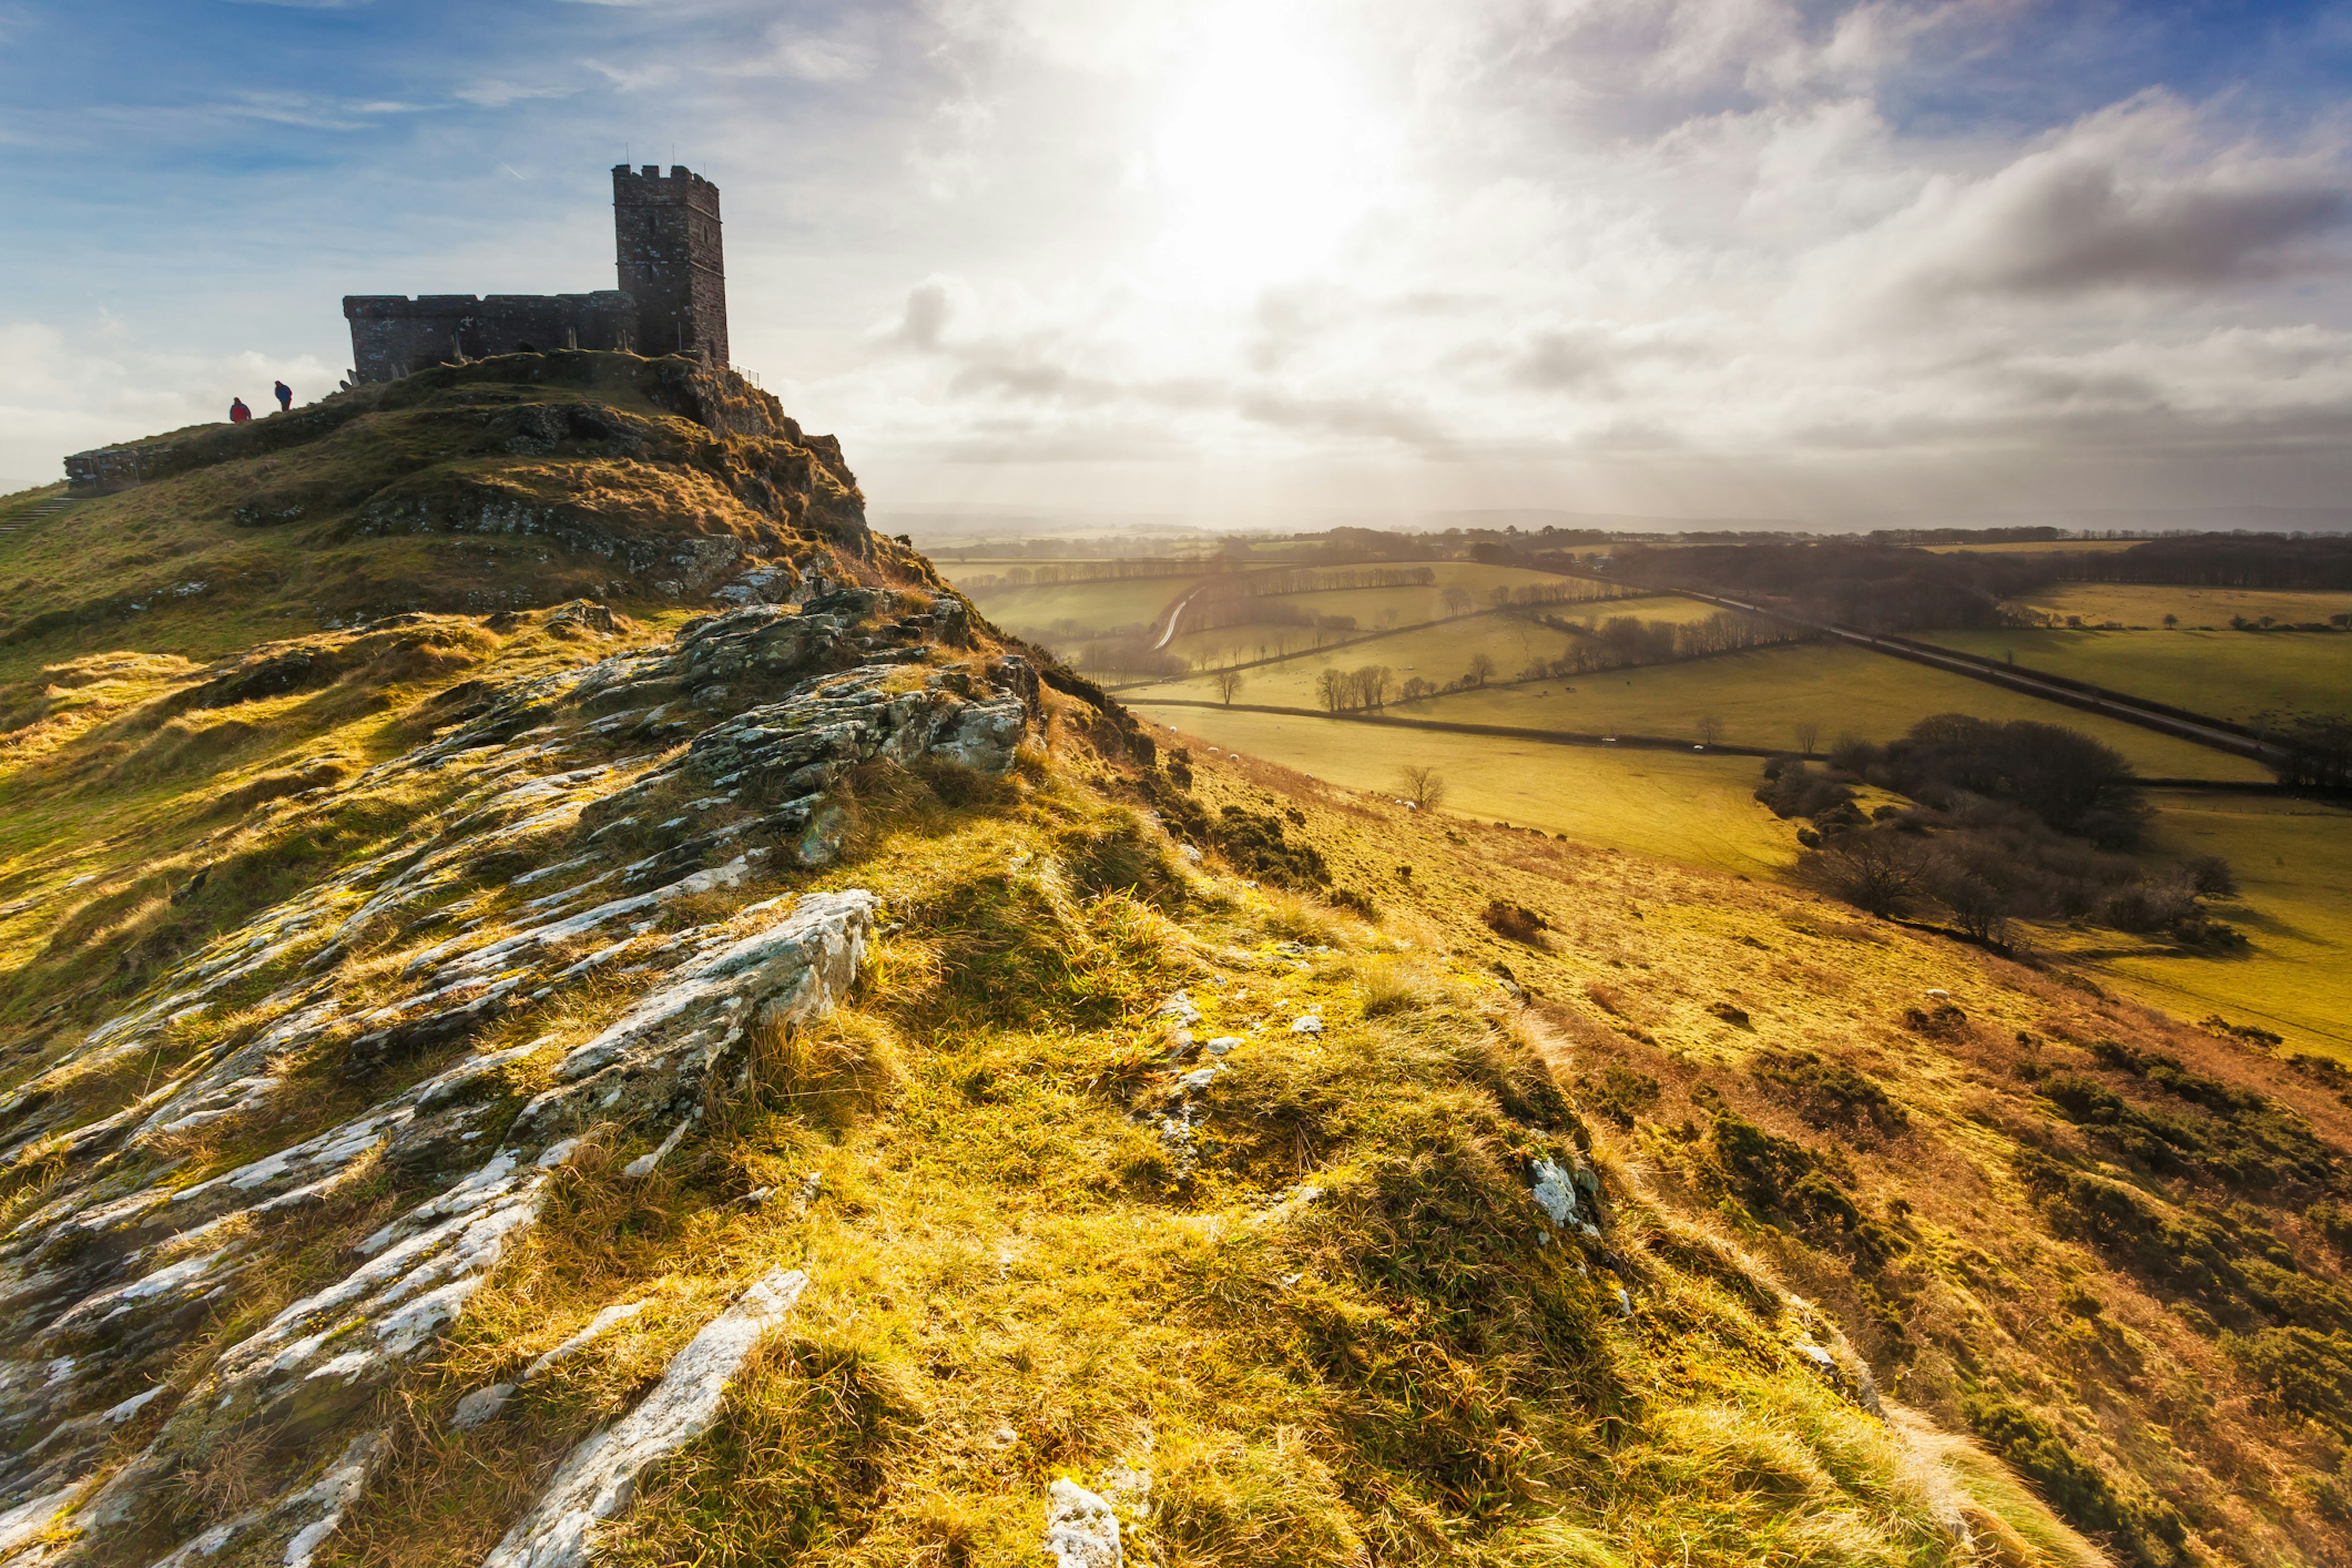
393,334
672,297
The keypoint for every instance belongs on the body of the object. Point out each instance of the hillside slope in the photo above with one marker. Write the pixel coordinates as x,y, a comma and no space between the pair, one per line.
813,1081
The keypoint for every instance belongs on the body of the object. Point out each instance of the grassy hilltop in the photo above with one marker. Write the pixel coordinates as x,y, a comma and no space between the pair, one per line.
566,932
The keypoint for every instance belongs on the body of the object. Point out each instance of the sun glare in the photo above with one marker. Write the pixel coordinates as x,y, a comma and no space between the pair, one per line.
1269,156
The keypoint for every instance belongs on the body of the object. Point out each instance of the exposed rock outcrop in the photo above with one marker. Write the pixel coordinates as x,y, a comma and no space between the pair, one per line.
599,1477
101,1284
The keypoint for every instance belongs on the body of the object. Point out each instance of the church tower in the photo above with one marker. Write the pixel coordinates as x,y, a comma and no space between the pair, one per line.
665,231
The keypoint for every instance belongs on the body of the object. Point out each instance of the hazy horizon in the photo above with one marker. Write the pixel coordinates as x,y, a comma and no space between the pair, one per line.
1213,261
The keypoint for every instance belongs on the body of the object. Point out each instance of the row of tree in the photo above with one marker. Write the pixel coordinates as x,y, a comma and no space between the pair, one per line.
1623,642
2218,561
1328,580
1055,573
1363,688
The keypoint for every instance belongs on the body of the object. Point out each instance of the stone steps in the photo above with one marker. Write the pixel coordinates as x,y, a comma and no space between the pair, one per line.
22,518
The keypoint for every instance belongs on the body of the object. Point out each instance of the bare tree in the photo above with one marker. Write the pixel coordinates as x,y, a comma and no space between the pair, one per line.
1482,669
1879,871
1331,687
1808,735
1228,682
1456,598
1710,729
1423,786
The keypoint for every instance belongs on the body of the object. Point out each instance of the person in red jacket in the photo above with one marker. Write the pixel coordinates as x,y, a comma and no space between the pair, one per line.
239,413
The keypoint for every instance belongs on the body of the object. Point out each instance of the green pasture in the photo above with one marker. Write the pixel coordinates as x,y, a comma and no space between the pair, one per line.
1759,698
1372,609
2230,674
1135,601
2145,605
1436,654
1694,810
1648,607
2293,860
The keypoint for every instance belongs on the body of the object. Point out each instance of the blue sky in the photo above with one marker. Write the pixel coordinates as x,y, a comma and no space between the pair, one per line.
1254,260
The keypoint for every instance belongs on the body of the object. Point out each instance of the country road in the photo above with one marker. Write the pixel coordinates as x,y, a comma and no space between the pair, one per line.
2185,726
2016,679
1176,616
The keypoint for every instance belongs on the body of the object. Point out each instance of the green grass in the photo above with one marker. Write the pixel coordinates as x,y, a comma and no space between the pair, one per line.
2293,861
1015,1278
1695,811
1013,1281
1134,602
2145,605
1760,696
1436,654
1411,606
2230,674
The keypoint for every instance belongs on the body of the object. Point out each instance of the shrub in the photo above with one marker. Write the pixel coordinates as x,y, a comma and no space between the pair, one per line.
1829,1093
1516,922
2147,1532
2212,877
1253,843
1621,1094
2333,1221
1802,1186
2308,1372
1793,789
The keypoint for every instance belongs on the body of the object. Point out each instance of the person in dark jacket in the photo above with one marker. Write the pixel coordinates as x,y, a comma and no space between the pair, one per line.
285,398
238,414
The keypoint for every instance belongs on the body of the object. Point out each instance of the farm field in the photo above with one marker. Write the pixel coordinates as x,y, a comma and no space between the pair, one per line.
1133,602
2230,674
1759,695
2145,605
1369,606
1227,645
1437,654
1694,811
2292,859
2291,856
1670,607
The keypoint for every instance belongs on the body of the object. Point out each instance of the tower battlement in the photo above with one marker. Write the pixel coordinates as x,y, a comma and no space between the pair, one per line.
666,231
672,297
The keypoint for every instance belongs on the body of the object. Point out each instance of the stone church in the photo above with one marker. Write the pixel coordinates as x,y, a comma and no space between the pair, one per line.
672,297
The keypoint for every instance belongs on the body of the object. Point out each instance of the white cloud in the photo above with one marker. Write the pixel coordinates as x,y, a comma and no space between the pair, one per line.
495,92
1701,254
2148,195
314,112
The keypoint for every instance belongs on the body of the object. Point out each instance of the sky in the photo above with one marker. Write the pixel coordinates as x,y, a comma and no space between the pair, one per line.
1266,262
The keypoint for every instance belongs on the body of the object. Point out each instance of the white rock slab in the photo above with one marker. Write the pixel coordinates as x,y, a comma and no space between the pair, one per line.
599,1480
1081,1528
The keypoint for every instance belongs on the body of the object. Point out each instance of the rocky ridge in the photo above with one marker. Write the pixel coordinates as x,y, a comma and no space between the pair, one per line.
104,1282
